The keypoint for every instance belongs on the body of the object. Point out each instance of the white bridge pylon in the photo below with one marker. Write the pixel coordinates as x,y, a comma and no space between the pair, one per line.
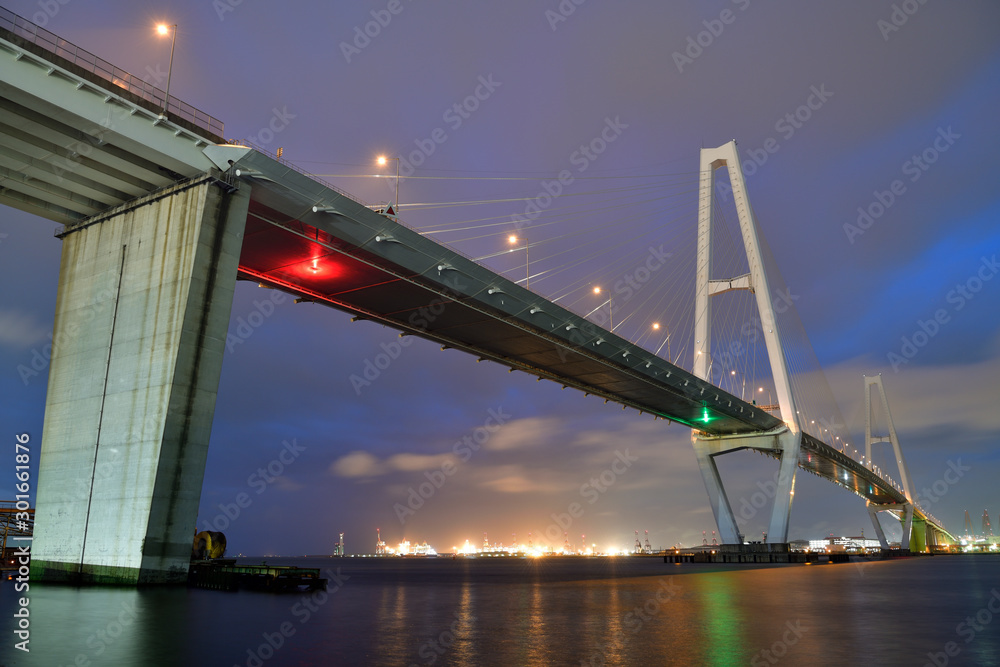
784,441
915,540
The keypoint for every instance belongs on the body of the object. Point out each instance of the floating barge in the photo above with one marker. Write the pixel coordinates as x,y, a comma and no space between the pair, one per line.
225,575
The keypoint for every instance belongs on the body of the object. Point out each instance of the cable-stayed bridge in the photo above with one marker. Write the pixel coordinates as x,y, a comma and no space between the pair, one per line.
161,218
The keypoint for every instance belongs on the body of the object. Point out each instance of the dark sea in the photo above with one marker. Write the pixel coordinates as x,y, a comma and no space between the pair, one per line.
940,610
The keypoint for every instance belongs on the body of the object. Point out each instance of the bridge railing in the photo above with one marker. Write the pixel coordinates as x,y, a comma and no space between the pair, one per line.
35,34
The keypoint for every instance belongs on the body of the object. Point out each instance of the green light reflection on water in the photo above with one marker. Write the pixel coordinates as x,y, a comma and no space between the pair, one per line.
722,622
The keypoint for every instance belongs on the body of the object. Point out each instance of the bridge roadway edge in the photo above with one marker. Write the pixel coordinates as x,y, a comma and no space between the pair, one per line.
102,83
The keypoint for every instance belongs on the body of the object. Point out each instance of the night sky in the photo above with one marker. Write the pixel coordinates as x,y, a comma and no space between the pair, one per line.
869,129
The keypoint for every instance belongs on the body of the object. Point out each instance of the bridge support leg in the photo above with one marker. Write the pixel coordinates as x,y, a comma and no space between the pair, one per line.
777,532
919,535
879,531
724,517
907,520
708,447
145,294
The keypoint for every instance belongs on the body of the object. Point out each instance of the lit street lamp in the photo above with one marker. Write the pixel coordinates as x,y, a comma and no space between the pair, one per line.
611,317
162,29
381,161
656,327
743,385
512,239
770,402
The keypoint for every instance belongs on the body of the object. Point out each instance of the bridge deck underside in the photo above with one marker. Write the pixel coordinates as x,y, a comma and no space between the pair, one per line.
827,462
313,263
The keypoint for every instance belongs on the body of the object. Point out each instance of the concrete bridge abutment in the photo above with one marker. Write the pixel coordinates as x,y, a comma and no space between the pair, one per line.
145,294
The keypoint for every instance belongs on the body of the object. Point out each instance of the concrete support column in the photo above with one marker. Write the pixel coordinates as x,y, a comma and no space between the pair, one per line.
777,531
145,294
919,535
907,520
879,531
724,517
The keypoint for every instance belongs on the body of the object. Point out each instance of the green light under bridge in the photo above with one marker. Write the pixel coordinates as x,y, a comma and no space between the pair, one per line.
705,417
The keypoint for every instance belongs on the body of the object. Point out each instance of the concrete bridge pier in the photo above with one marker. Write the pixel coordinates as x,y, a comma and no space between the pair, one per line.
918,534
785,444
706,449
145,294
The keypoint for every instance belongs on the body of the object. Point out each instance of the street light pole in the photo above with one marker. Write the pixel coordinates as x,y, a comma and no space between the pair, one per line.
382,160
611,314
760,390
513,238
656,327
162,29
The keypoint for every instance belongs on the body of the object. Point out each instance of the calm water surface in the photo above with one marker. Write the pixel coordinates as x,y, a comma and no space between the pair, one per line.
614,611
